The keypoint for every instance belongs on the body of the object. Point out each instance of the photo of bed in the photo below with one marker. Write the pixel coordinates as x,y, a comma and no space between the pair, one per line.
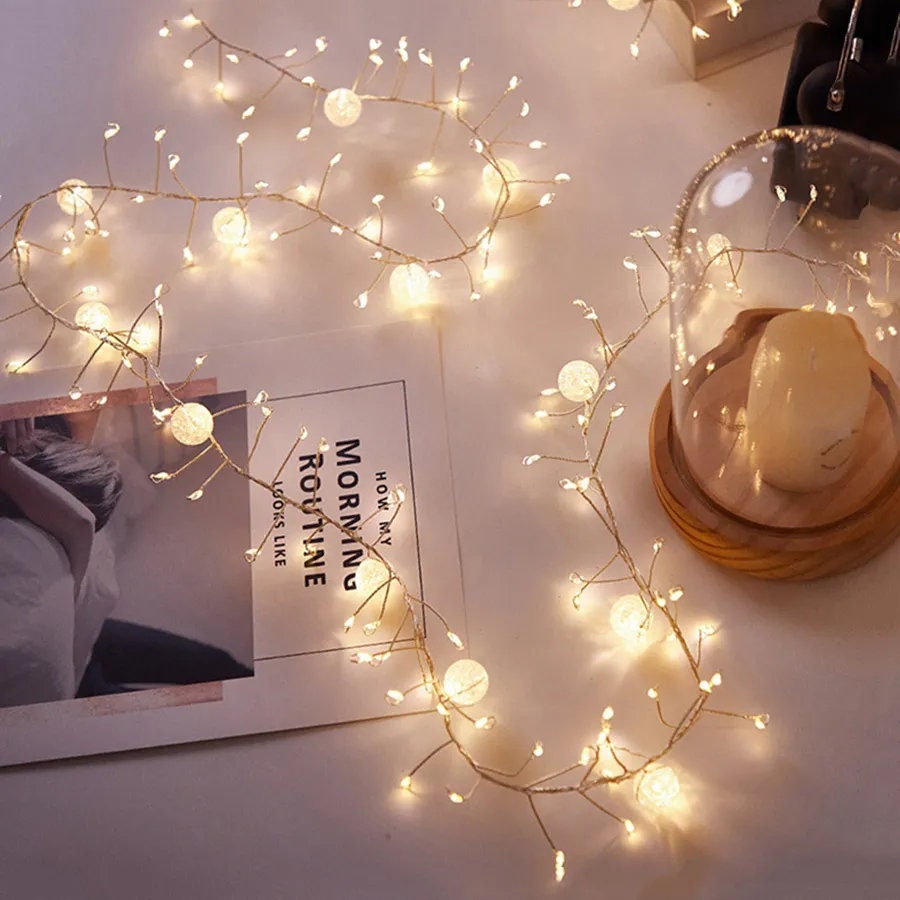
111,584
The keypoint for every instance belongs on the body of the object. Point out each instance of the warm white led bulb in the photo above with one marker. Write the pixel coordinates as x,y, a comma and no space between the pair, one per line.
371,575
342,107
143,338
465,682
94,316
578,381
74,196
629,618
623,5
231,226
658,788
191,423
492,180
410,284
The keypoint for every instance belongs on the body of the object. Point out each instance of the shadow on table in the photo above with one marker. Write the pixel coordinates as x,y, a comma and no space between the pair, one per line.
861,602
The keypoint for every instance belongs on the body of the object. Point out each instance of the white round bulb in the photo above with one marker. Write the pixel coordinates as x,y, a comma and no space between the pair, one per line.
191,423
410,284
465,682
342,107
74,196
578,381
623,5
94,316
143,337
492,180
629,618
231,226
371,575
658,788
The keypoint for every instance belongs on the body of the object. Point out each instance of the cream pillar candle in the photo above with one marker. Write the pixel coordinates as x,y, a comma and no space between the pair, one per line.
809,389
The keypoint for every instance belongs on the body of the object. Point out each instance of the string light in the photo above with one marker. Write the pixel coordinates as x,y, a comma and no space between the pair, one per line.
410,284
371,575
629,618
143,338
465,681
342,107
495,176
74,197
578,381
658,788
559,861
231,226
94,316
191,424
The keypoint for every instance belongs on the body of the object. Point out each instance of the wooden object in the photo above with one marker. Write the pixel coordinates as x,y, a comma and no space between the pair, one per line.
747,525
763,25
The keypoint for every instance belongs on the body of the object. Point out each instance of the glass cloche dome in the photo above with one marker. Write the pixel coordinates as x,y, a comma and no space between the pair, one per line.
775,448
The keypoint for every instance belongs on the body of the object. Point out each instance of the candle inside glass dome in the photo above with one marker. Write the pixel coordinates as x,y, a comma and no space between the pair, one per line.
809,390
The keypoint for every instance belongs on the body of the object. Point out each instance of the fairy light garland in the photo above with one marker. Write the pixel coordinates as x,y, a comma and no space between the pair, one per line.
637,601
409,274
599,765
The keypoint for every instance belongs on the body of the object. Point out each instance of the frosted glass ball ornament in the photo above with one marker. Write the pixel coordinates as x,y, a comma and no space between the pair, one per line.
623,5
658,788
74,197
342,107
578,381
231,226
192,424
492,180
95,316
410,284
628,617
371,575
143,338
466,682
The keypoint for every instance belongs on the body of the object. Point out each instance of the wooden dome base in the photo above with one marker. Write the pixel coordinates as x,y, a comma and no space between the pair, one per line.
787,554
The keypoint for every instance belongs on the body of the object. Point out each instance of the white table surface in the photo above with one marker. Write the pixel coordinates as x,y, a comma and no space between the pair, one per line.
808,809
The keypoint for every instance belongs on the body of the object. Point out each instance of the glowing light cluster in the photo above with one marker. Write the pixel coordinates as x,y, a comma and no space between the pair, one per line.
231,226
381,592
93,316
410,284
342,107
74,197
411,277
466,682
192,424
658,788
578,381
